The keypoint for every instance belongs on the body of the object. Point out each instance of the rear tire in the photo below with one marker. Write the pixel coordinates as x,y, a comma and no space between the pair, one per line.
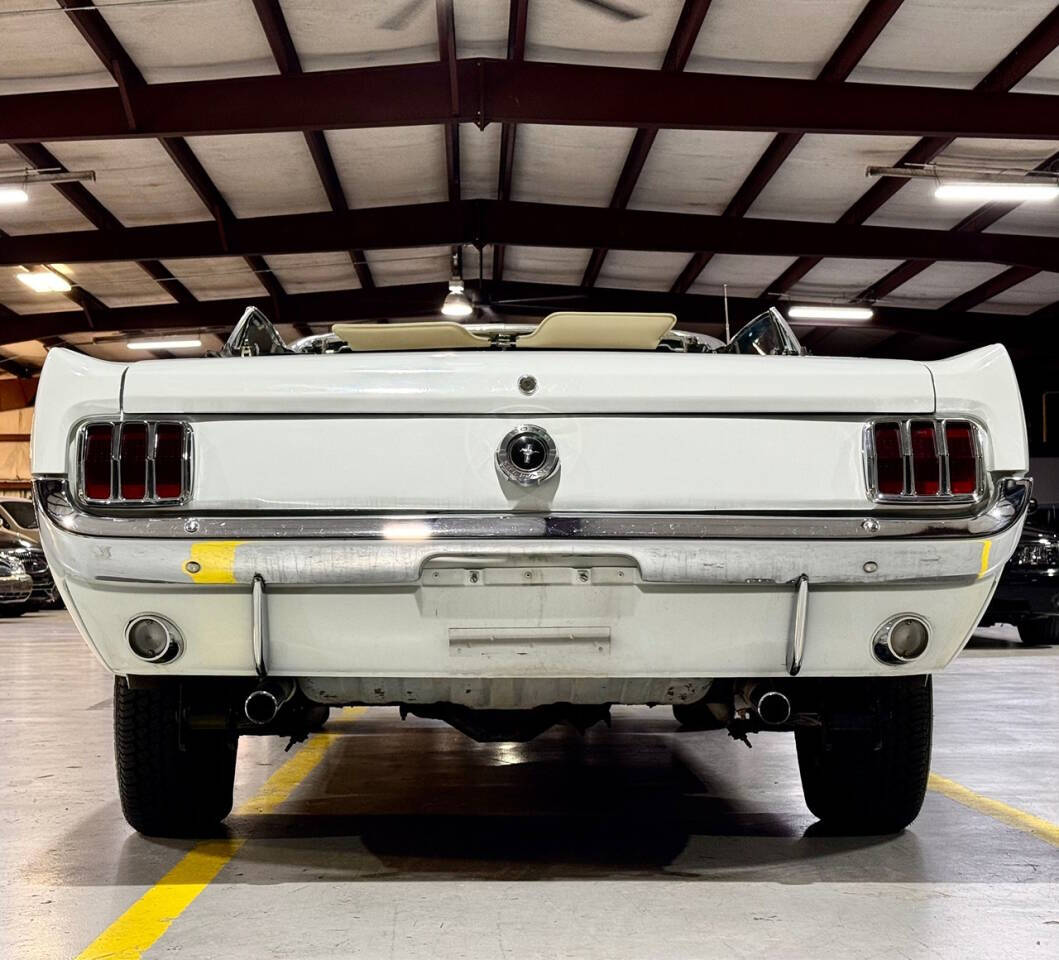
865,771
172,782
13,609
1041,631
696,716
319,714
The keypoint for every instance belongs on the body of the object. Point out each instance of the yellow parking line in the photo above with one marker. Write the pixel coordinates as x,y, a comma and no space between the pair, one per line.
139,927
1042,829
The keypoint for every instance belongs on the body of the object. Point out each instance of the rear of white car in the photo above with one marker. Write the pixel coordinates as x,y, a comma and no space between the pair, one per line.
509,538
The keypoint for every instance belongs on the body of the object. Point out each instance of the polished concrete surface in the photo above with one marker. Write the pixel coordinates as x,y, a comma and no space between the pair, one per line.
409,840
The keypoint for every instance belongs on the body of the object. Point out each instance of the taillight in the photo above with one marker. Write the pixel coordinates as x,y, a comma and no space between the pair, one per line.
132,461
96,469
963,456
923,460
926,464
889,460
169,461
135,461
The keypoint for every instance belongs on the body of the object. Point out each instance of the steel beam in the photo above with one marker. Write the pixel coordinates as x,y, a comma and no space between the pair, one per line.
873,18
976,221
1040,42
516,50
521,92
680,46
274,25
481,222
507,298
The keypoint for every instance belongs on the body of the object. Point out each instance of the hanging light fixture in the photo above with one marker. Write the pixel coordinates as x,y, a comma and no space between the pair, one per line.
14,184
457,304
980,184
44,280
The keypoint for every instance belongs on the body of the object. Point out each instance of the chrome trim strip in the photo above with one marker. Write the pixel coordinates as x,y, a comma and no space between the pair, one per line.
1010,499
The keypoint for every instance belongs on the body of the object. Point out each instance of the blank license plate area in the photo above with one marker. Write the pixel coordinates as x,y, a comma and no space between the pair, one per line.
528,612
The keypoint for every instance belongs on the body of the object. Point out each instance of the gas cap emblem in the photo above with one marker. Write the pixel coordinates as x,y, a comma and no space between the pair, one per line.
527,455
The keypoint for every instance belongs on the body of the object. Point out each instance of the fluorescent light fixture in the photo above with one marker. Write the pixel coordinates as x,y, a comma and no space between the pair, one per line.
456,304
43,281
185,344
9,196
830,313
1009,192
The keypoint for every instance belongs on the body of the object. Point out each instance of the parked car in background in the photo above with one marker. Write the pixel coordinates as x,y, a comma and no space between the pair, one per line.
1028,595
19,516
29,554
16,586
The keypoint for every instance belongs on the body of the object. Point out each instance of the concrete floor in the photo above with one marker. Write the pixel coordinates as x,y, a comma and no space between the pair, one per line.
409,840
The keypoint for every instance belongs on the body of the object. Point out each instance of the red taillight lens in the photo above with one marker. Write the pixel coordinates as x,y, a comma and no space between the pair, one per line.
97,461
963,460
889,463
133,461
926,466
169,461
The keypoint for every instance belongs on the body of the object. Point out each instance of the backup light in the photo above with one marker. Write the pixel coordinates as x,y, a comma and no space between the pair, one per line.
1007,192
808,312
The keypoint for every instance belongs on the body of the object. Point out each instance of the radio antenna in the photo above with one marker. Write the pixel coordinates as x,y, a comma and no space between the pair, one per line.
727,331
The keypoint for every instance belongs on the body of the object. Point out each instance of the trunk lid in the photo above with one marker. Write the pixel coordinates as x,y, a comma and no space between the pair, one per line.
633,431
568,382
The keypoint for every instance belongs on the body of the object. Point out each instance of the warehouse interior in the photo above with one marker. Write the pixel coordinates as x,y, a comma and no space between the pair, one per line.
166,164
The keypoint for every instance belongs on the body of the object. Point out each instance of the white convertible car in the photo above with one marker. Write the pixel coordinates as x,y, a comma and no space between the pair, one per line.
507,527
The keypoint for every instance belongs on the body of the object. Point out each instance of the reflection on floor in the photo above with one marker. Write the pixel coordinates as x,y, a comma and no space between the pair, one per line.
410,840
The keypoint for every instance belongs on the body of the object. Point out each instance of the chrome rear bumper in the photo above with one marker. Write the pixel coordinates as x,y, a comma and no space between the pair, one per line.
1006,507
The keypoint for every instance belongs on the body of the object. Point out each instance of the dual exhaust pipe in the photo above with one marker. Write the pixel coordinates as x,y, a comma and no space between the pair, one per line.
772,706
264,701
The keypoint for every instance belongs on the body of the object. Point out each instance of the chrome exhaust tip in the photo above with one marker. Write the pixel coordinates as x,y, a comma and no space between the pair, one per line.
153,638
262,703
774,708
261,706
901,639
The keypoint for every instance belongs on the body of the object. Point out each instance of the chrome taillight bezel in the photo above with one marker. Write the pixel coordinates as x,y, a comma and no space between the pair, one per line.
944,494
151,498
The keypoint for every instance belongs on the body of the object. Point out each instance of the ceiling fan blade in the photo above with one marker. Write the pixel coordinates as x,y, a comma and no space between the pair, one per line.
399,19
615,10
532,300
